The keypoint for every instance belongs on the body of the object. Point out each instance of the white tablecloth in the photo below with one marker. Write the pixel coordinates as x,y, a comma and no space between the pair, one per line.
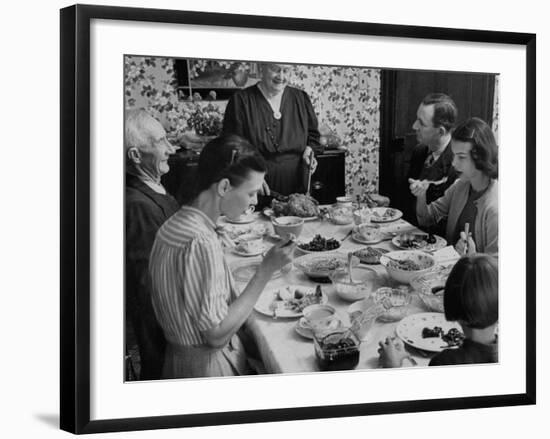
282,349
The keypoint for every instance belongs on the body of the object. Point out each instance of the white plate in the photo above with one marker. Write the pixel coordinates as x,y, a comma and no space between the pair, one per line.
438,245
234,232
380,211
270,303
244,271
362,240
268,211
243,253
243,219
410,330
303,329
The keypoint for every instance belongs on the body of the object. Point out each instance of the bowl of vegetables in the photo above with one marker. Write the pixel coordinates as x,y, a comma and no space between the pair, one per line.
403,266
318,244
318,267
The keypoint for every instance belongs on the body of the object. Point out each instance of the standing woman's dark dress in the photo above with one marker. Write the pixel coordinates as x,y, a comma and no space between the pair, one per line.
281,141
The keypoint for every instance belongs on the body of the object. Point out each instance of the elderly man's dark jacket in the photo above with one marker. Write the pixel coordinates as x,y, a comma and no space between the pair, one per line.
146,211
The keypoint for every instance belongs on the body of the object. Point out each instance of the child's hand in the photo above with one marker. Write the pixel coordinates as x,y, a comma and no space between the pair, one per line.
392,352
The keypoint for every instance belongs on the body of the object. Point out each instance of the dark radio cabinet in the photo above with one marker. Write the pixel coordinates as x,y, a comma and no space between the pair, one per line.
327,183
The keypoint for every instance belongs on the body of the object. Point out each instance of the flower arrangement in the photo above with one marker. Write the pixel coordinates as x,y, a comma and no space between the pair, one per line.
206,120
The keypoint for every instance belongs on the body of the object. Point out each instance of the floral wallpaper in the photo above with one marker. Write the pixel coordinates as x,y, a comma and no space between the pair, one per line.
346,106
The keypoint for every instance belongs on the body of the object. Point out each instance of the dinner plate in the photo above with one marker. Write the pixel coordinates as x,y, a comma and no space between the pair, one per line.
410,330
243,253
378,215
424,246
303,329
242,219
234,232
268,211
270,304
362,240
244,271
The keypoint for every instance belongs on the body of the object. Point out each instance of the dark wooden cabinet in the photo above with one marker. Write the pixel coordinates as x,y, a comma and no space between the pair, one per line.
327,183
329,180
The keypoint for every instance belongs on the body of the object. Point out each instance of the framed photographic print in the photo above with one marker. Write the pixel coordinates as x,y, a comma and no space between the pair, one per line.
147,123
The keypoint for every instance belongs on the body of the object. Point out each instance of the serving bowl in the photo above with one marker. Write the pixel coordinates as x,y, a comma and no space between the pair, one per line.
284,226
413,263
395,302
318,266
430,287
340,214
364,281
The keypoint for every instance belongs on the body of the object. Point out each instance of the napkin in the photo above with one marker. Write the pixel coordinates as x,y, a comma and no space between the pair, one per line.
446,255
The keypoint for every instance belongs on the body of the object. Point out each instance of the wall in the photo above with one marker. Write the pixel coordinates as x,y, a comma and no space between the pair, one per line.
352,112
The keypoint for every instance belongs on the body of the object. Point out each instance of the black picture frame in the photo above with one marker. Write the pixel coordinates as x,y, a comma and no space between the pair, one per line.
75,217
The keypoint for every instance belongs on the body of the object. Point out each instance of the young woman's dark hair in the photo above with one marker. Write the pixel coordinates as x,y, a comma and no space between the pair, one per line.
229,156
445,111
484,146
471,291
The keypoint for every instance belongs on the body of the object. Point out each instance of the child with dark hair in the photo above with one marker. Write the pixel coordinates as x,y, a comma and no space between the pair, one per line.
194,295
471,298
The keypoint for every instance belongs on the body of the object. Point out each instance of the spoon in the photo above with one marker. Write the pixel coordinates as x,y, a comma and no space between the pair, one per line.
350,257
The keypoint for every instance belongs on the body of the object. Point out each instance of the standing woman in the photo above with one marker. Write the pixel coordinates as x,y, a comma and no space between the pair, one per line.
473,198
194,295
280,122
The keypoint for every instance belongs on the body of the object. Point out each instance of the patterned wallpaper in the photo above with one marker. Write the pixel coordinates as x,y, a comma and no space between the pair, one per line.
343,104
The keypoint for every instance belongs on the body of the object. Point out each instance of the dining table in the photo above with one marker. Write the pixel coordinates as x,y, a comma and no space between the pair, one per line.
282,347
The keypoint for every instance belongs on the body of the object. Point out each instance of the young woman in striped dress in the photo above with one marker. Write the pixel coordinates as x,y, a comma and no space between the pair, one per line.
194,295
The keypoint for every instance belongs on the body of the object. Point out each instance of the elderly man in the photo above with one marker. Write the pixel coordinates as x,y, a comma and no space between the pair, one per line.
148,206
431,161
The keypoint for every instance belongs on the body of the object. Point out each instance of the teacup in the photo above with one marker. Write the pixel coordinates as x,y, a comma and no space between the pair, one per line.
344,200
319,317
369,232
250,243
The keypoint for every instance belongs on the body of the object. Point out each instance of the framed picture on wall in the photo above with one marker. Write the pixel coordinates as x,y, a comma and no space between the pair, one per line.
104,47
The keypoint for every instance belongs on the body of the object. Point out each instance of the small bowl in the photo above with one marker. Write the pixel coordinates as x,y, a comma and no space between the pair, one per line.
284,226
365,281
395,301
424,261
341,214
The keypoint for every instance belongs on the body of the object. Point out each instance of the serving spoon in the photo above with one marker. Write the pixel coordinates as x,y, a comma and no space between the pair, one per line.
350,257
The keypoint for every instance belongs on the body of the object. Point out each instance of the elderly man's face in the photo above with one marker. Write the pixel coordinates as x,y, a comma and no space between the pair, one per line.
154,156
426,133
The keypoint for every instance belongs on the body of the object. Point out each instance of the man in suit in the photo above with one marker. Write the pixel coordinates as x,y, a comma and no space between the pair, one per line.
432,158
148,206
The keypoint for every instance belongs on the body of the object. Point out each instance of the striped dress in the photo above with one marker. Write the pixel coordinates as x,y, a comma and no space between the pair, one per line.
192,288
